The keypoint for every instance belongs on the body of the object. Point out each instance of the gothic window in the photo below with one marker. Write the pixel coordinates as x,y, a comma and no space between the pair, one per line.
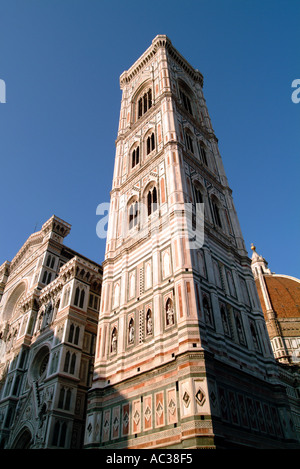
189,142
59,434
70,362
203,154
68,399
16,386
133,214
150,143
170,320
77,332
216,212
66,297
50,261
198,195
67,362
135,157
76,299
71,333
186,102
61,398
74,334
79,297
44,277
94,302
73,363
152,200
144,103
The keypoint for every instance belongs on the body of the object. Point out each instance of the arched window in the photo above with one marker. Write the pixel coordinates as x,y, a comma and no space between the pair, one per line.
63,432
189,142
79,297
76,299
76,339
68,399
133,214
203,153
73,363
44,277
61,399
55,434
71,333
152,200
198,195
49,278
150,143
144,103
216,213
186,102
82,295
135,157
67,362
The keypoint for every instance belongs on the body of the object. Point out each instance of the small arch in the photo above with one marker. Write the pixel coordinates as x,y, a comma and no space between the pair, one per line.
150,143
170,318
23,440
114,341
133,213
131,331
151,200
149,323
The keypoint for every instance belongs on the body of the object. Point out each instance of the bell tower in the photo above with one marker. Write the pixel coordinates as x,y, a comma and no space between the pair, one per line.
183,359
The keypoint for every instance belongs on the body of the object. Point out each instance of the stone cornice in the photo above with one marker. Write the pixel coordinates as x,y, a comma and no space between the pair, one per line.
158,42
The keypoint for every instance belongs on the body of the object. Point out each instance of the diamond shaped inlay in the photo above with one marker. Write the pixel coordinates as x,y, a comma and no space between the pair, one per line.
159,409
136,417
186,399
172,407
200,396
148,413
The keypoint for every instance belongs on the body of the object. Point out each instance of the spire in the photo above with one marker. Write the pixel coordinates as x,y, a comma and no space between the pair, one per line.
258,263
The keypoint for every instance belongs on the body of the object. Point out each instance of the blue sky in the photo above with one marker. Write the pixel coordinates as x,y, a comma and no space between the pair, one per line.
61,61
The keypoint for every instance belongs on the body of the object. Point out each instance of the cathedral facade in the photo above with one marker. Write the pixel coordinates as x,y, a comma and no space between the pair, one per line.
183,357
50,298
